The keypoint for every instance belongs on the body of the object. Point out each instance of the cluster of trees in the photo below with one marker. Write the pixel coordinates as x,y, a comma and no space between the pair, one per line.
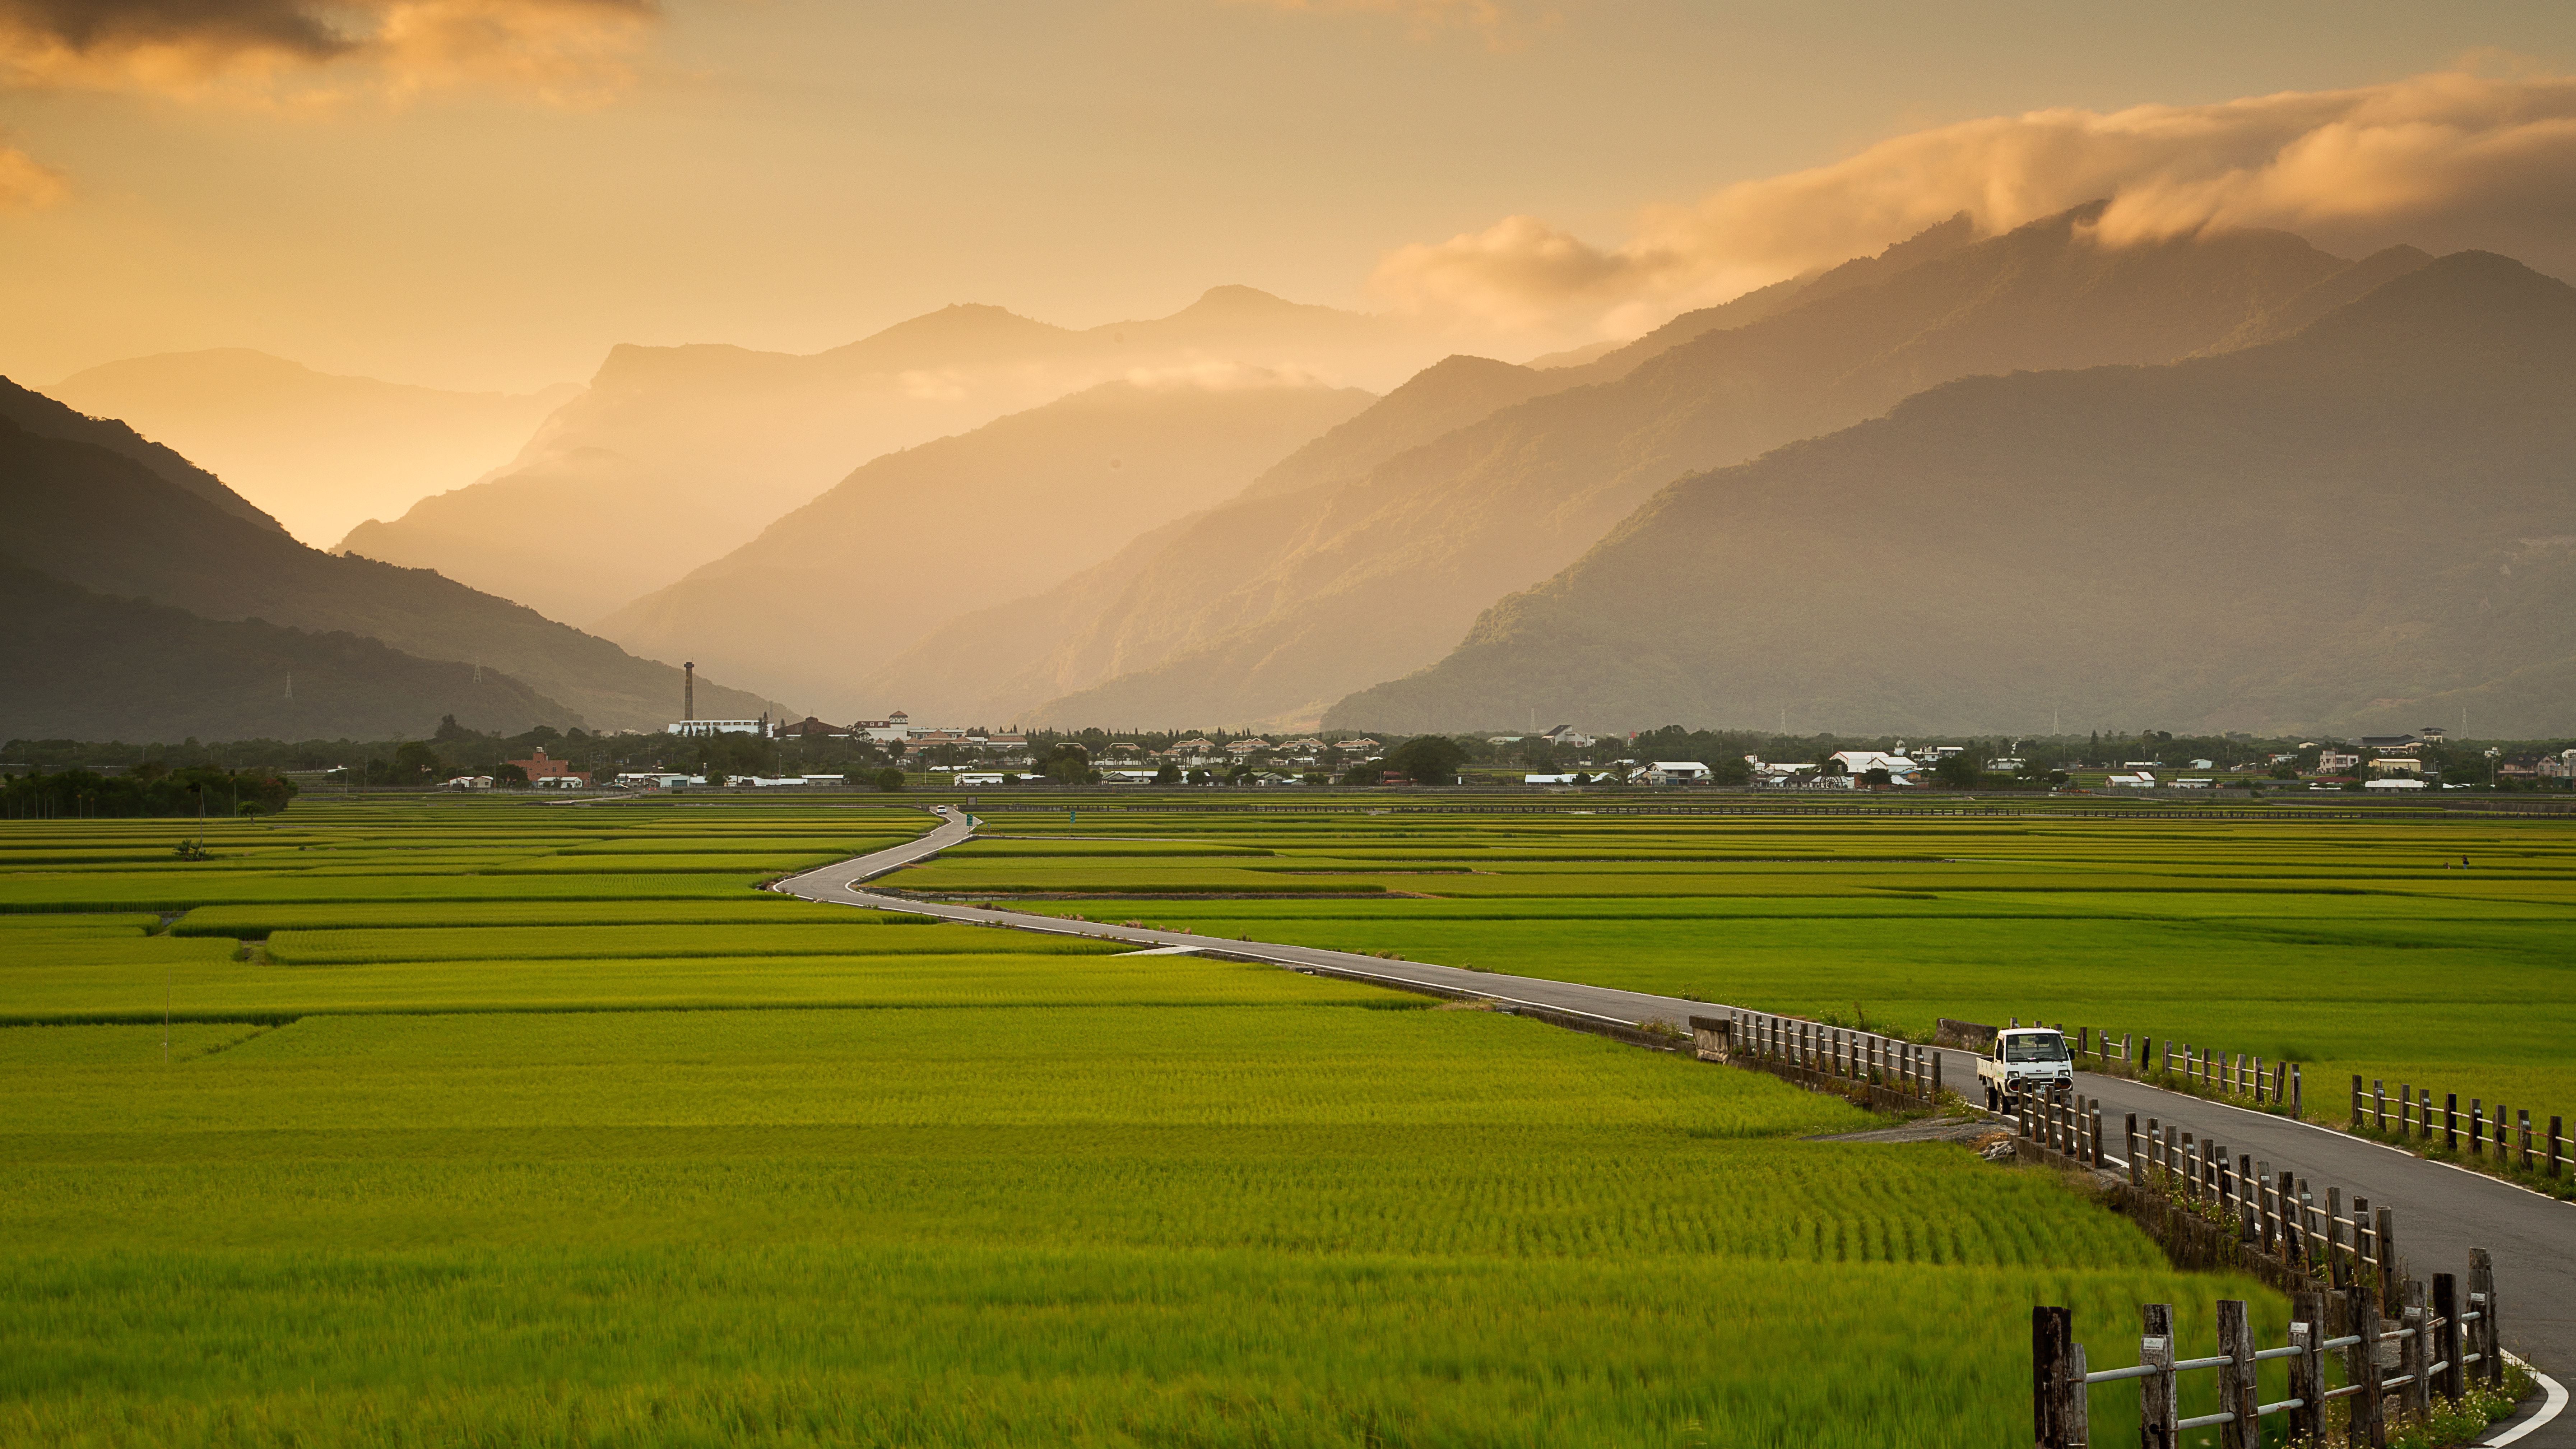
149,790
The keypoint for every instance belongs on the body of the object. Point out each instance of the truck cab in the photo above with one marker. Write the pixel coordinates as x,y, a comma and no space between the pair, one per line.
2025,1060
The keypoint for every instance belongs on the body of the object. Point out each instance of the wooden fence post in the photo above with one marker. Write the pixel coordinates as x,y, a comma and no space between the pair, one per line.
2307,1366
2446,1334
2450,1121
2267,1209
2477,1127
2361,1366
2334,1240
2379,1100
2236,1378
2158,1397
2298,1092
2405,1099
2052,1335
2079,1400
2482,1295
2137,1158
2522,1137
2413,1357
2383,1236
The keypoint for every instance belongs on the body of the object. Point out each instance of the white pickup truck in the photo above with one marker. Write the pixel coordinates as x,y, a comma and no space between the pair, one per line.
2025,1059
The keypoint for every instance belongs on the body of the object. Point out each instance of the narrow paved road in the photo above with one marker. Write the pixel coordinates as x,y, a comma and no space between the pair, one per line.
2441,1211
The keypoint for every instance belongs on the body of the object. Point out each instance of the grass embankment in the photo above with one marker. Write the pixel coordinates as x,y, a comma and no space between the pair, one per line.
480,1187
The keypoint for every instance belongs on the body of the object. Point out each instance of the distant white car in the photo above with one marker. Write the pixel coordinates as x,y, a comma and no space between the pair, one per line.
2022,1061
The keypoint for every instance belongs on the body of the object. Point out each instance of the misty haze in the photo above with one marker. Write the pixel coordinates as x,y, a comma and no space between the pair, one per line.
1304,722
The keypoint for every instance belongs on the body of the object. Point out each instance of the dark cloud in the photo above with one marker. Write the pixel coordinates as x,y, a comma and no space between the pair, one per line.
86,27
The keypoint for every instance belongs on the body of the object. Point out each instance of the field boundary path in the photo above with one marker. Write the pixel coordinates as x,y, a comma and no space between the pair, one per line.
2444,1210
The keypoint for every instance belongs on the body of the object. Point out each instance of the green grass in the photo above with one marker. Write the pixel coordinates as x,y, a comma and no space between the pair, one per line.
550,1131
1413,1225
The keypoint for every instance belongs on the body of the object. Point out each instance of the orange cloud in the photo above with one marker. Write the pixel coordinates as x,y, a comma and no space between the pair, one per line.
27,184
2455,158
568,52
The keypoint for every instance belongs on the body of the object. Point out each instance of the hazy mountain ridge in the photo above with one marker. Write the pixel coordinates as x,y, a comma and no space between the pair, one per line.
320,450
1271,622
49,418
1018,504
744,436
87,516
2366,526
132,669
553,505
2325,295
1091,626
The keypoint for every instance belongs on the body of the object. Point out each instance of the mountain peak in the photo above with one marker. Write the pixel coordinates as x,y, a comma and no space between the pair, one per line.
1236,299
2470,300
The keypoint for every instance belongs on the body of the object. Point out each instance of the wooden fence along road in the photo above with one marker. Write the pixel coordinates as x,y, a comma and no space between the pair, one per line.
2507,1144
2449,1211
2433,1345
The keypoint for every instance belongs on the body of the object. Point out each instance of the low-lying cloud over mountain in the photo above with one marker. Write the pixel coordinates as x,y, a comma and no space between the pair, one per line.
2443,160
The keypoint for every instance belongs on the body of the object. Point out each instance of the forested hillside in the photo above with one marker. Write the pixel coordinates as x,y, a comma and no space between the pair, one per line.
2365,527
1272,618
84,515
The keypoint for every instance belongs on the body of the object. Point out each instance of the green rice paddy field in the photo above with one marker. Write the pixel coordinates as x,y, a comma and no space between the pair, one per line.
504,1123
2347,945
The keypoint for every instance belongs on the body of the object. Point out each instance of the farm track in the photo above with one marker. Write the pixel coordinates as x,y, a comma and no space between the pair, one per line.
2441,1211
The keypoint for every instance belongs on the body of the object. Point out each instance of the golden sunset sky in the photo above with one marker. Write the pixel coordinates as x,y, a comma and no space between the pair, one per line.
487,194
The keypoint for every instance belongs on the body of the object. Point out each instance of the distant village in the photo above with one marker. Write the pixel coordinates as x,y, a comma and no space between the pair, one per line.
892,751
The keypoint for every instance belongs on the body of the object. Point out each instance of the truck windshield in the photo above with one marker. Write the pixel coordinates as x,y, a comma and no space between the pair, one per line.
2037,1047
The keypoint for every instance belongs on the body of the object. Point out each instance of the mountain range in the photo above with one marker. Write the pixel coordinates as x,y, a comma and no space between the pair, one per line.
320,450
1969,484
673,457
95,667
913,538
92,523
1276,604
2362,526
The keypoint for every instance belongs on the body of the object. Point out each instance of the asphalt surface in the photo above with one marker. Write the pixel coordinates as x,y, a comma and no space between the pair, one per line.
2441,1212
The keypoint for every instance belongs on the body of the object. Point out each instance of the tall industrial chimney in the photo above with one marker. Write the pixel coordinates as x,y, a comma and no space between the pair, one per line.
689,690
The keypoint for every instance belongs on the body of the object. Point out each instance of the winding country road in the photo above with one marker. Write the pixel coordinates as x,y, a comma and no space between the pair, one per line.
2441,1211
